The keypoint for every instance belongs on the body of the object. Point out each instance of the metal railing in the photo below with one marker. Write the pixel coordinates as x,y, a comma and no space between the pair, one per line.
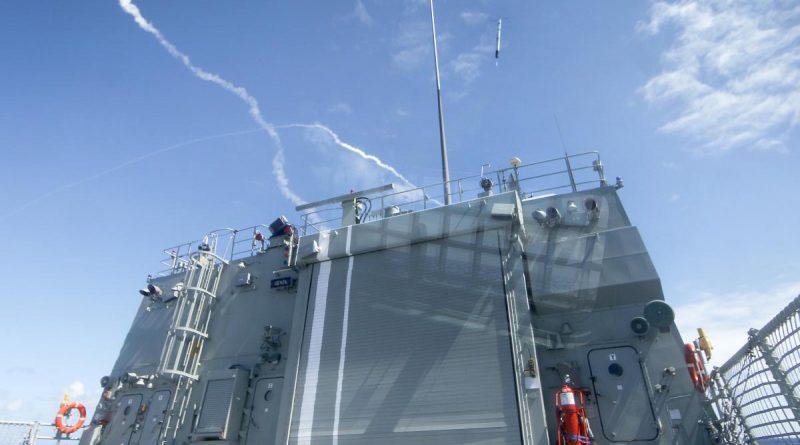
562,174
758,389
32,433
229,244
566,173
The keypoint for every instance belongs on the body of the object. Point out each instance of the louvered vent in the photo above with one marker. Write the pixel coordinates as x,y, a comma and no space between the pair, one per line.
221,404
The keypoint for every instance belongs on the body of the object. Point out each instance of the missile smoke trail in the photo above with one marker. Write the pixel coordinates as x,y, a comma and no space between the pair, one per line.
377,161
279,160
419,193
132,161
255,112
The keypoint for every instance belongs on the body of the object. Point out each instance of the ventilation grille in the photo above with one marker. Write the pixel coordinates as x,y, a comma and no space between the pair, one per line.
216,406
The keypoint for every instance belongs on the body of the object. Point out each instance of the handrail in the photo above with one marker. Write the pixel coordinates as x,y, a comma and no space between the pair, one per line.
230,241
530,180
760,380
502,180
37,431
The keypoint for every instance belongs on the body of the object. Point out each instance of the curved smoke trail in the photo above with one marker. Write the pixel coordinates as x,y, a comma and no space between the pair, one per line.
376,160
255,112
278,161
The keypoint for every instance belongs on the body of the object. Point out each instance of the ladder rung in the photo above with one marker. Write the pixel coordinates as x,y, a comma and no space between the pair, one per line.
208,254
181,373
191,331
204,274
202,291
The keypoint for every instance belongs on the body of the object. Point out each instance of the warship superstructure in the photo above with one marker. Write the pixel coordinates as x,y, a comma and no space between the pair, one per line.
387,317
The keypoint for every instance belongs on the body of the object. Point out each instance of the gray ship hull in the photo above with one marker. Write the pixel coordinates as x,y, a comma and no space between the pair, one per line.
454,325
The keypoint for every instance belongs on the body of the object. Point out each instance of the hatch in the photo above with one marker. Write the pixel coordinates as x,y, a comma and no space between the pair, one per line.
121,426
264,418
625,411
154,418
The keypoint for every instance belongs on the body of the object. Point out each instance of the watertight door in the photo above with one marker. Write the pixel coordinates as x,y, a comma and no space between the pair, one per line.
120,428
263,420
154,418
625,411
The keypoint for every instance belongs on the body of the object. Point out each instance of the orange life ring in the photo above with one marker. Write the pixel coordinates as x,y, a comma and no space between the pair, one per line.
65,408
694,364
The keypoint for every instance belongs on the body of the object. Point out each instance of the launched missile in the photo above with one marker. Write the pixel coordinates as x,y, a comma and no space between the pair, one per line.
497,49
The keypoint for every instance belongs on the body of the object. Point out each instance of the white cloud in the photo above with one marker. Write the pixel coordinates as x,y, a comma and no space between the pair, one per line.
468,65
361,14
732,74
76,389
727,317
10,406
413,45
401,112
341,108
411,6
473,17
674,197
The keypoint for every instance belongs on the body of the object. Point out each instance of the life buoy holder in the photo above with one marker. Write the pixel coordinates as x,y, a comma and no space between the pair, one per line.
696,368
65,408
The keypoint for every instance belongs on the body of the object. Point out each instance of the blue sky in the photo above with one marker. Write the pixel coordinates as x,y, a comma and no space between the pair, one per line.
113,150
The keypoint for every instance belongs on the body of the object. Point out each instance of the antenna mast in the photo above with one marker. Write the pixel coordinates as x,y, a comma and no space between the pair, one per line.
442,139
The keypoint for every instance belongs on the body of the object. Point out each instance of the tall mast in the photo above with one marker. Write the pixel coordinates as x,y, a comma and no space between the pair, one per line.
442,139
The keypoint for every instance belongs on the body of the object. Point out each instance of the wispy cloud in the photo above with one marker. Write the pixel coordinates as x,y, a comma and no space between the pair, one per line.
473,17
341,108
362,15
412,45
10,405
411,6
75,389
727,316
731,77
469,64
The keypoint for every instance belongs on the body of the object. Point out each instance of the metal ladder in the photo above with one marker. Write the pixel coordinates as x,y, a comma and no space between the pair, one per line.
188,332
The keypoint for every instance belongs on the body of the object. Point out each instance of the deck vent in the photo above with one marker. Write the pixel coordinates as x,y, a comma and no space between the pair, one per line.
222,405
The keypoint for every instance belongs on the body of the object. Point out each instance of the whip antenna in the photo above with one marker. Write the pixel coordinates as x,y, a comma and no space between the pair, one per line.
442,140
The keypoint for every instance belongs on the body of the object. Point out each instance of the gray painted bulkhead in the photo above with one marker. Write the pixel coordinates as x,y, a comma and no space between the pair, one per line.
421,328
